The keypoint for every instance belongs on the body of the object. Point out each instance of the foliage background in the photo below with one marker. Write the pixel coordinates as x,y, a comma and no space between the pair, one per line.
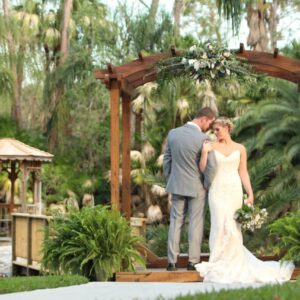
50,99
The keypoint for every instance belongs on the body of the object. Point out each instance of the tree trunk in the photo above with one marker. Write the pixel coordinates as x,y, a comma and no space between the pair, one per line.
58,91
258,34
273,24
64,46
151,22
177,11
17,80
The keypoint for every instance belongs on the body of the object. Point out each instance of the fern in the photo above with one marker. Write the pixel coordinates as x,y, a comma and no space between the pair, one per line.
287,233
88,241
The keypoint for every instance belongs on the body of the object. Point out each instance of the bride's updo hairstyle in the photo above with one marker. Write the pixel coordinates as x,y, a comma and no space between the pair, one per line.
224,122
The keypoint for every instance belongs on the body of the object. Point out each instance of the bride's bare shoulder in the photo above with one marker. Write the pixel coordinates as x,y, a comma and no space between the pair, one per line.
240,147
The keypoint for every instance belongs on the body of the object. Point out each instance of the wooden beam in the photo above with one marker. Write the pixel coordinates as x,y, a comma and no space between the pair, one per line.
115,142
159,276
126,139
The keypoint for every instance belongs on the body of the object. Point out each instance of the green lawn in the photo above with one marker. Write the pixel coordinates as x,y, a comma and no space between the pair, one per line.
20,284
286,291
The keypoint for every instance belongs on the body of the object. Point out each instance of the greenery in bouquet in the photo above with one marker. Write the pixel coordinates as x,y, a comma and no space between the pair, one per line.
251,217
208,61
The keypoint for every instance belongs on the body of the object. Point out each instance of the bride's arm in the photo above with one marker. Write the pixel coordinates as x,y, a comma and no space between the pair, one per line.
243,171
207,146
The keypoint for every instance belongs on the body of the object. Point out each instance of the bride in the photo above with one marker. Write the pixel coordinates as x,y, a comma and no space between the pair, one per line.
229,260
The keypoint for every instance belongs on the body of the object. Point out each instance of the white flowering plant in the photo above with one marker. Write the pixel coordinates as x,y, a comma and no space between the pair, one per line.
208,61
251,217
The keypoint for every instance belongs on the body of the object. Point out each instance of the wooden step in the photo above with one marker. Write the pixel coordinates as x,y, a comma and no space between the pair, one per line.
161,275
154,261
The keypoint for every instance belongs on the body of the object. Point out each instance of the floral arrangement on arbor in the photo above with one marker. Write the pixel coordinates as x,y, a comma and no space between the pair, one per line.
205,62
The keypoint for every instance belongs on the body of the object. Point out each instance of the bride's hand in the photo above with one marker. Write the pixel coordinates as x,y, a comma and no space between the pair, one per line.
207,146
249,201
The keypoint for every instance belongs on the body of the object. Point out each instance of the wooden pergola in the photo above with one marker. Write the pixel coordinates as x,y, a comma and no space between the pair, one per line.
122,82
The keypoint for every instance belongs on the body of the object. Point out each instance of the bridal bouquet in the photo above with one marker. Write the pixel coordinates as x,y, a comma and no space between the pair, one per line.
251,217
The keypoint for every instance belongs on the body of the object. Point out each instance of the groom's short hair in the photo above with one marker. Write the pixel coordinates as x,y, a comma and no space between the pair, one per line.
205,112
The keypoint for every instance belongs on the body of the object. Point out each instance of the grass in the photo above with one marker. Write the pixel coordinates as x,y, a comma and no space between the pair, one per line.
21,284
287,291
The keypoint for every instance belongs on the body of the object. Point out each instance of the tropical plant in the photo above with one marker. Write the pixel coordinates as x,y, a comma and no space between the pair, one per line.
287,233
263,19
157,239
268,129
95,242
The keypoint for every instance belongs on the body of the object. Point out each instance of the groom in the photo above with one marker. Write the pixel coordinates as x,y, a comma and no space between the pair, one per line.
184,182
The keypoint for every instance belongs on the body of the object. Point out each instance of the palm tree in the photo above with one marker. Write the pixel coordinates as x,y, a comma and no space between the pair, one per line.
262,19
270,130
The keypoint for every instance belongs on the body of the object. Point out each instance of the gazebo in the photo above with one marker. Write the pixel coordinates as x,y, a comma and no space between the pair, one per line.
122,82
19,160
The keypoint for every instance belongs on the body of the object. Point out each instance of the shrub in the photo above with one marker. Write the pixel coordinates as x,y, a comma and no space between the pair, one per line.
94,242
287,232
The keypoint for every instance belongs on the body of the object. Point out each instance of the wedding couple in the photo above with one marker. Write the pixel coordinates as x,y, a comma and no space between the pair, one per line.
193,165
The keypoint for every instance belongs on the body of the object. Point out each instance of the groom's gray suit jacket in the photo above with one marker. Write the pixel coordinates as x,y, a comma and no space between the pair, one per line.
181,161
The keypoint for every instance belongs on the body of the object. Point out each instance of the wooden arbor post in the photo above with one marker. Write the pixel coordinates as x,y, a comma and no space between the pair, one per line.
115,94
126,141
115,141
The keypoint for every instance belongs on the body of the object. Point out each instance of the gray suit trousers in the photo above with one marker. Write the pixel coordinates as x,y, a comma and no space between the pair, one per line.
183,206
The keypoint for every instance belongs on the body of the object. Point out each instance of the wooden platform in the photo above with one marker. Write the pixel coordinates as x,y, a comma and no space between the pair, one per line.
161,275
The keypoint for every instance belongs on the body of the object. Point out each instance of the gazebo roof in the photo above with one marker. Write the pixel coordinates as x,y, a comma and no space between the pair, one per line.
12,149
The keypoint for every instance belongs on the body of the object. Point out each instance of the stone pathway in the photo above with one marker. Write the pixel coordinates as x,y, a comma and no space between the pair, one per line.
5,260
123,291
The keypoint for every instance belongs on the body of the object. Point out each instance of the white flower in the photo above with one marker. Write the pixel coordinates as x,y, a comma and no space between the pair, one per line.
204,55
192,61
227,71
193,48
226,53
196,65
210,46
184,60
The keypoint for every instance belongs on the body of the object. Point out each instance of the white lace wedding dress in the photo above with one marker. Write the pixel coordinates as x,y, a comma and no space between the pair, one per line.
230,261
